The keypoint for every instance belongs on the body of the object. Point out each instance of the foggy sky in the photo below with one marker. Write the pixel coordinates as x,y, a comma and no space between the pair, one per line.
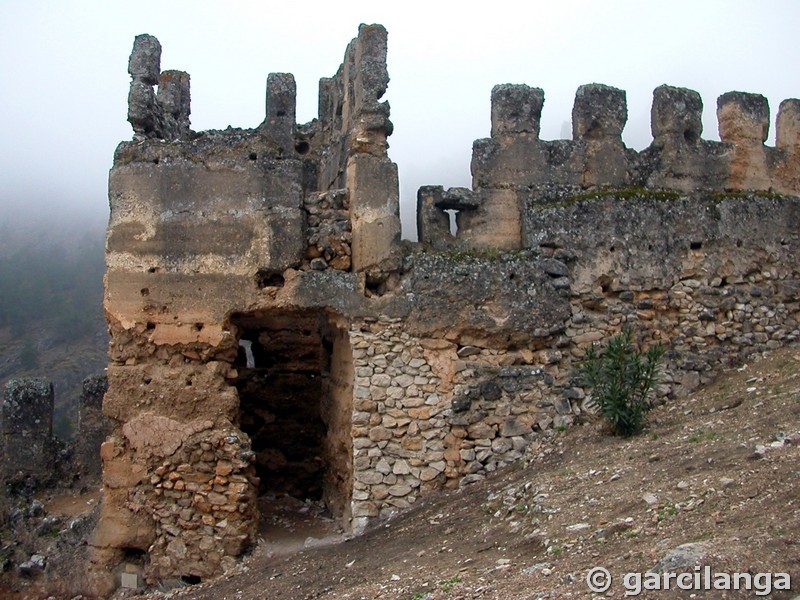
63,67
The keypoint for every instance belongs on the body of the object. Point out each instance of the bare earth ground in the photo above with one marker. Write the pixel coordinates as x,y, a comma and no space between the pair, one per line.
719,469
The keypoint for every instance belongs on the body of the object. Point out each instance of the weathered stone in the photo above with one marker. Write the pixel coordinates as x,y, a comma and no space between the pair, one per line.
270,331
399,490
516,109
93,427
600,111
26,434
787,134
677,111
481,431
280,121
743,117
514,427
490,391
145,61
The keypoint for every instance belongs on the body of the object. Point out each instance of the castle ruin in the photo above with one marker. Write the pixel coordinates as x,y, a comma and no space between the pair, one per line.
272,335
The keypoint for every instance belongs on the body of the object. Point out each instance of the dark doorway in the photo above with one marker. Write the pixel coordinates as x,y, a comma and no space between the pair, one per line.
294,381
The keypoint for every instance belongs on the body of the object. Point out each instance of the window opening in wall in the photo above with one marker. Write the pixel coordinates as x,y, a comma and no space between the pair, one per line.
295,373
452,214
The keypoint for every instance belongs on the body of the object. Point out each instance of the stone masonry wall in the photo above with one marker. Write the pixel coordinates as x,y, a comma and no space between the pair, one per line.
514,169
435,363
26,424
446,411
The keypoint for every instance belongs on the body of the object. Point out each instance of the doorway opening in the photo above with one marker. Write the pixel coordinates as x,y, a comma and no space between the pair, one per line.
295,385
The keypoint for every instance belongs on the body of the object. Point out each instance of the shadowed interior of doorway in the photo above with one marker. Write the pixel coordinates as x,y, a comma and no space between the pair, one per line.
294,382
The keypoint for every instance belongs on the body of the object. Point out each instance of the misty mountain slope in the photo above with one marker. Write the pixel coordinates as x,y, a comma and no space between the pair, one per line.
51,316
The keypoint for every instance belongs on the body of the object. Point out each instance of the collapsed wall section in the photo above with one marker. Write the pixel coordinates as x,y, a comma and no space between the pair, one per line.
354,126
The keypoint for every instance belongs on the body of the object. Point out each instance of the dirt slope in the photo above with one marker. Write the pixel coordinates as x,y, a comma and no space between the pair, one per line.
718,470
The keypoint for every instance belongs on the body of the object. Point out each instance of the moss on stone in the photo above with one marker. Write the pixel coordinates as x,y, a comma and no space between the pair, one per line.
638,193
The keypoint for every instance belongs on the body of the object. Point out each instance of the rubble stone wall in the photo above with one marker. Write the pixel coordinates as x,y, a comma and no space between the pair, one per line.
26,423
246,267
443,398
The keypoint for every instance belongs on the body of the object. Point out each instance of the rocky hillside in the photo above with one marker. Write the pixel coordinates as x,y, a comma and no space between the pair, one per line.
714,481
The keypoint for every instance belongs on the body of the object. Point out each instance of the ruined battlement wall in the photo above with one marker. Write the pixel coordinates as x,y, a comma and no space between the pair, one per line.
229,212
269,337
515,172
352,119
31,458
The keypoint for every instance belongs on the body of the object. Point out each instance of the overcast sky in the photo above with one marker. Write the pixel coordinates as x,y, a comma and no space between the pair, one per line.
63,68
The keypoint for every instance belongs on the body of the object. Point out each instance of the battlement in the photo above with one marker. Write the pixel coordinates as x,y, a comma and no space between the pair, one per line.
272,337
250,203
515,171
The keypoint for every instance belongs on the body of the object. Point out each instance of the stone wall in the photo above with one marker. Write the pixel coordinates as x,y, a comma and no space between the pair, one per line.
31,458
270,335
28,447
472,378
514,170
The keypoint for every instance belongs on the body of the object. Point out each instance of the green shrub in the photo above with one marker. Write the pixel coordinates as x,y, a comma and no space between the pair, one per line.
622,379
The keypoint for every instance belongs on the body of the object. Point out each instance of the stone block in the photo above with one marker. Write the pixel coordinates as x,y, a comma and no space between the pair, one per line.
787,133
286,242
174,100
496,224
159,390
280,122
93,427
144,63
143,113
516,109
129,581
374,211
599,112
371,75
373,185
743,118
433,224
676,112
191,309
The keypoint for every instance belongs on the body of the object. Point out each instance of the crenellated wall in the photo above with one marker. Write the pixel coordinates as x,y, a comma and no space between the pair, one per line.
272,337
32,459
514,171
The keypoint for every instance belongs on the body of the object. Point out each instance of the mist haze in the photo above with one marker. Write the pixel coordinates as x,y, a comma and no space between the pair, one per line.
64,68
